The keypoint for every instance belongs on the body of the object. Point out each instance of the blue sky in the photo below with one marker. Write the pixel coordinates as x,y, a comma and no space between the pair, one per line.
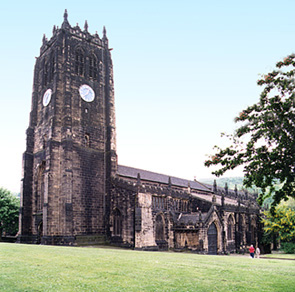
182,70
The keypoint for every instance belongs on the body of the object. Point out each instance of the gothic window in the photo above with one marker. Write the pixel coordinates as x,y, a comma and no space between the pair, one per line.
92,67
117,231
230,228
160,231
79,62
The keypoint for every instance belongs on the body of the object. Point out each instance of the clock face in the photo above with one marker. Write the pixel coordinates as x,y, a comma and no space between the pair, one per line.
47,97
86,93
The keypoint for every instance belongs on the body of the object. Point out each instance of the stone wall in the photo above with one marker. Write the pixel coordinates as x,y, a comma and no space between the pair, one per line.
145,238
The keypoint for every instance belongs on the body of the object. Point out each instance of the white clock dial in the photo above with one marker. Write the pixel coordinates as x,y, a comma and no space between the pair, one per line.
86,93
47,97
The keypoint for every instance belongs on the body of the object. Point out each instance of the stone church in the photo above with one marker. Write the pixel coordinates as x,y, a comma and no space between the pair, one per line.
73,190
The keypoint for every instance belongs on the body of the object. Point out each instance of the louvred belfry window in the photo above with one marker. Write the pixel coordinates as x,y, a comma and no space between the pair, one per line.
79,62
92,67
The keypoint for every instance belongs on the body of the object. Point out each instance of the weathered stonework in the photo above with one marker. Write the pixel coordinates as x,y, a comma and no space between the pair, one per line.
75,193
71,146
145,237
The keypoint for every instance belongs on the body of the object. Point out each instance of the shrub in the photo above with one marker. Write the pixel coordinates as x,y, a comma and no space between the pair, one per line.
288,247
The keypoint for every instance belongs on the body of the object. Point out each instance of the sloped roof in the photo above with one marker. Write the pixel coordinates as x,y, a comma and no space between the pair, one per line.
229,201
190,218
131,172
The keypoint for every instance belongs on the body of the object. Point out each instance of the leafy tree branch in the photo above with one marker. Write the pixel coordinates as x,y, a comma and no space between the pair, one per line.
264,143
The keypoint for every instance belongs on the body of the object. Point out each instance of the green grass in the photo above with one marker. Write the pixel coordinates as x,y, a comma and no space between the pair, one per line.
35,268
279,255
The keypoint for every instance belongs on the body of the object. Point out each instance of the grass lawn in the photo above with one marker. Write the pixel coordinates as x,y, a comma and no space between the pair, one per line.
35,268
279,255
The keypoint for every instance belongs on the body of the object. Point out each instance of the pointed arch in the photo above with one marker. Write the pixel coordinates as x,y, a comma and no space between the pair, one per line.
212,238
92,66
117,222
79,62
243,229
230,227
160,228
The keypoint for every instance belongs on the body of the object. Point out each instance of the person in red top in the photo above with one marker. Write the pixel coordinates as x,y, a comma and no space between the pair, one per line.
251,250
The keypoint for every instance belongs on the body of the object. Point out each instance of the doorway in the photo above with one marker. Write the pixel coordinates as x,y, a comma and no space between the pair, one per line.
212,239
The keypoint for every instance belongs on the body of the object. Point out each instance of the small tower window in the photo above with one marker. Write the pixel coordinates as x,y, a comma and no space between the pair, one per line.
79,62
92,67
87,140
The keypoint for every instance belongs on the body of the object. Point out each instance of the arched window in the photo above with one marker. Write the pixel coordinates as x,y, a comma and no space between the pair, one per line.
160,230
243,230
230,228
92,67
79,62
117,231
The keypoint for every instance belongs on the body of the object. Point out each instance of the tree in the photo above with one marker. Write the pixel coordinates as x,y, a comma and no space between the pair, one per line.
281,225
9,212
264,143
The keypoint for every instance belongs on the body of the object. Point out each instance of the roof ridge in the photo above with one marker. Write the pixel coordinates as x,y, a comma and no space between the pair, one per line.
159,177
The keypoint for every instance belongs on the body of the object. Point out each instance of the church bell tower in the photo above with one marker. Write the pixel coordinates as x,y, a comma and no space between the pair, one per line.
71,140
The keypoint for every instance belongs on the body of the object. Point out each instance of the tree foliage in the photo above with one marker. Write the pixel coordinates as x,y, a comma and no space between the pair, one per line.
282,222
264,142
9,212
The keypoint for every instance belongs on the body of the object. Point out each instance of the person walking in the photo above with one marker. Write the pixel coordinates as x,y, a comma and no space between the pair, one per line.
257,252
252,250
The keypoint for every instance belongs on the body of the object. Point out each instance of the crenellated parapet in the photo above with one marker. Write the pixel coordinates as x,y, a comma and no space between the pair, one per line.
76,32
